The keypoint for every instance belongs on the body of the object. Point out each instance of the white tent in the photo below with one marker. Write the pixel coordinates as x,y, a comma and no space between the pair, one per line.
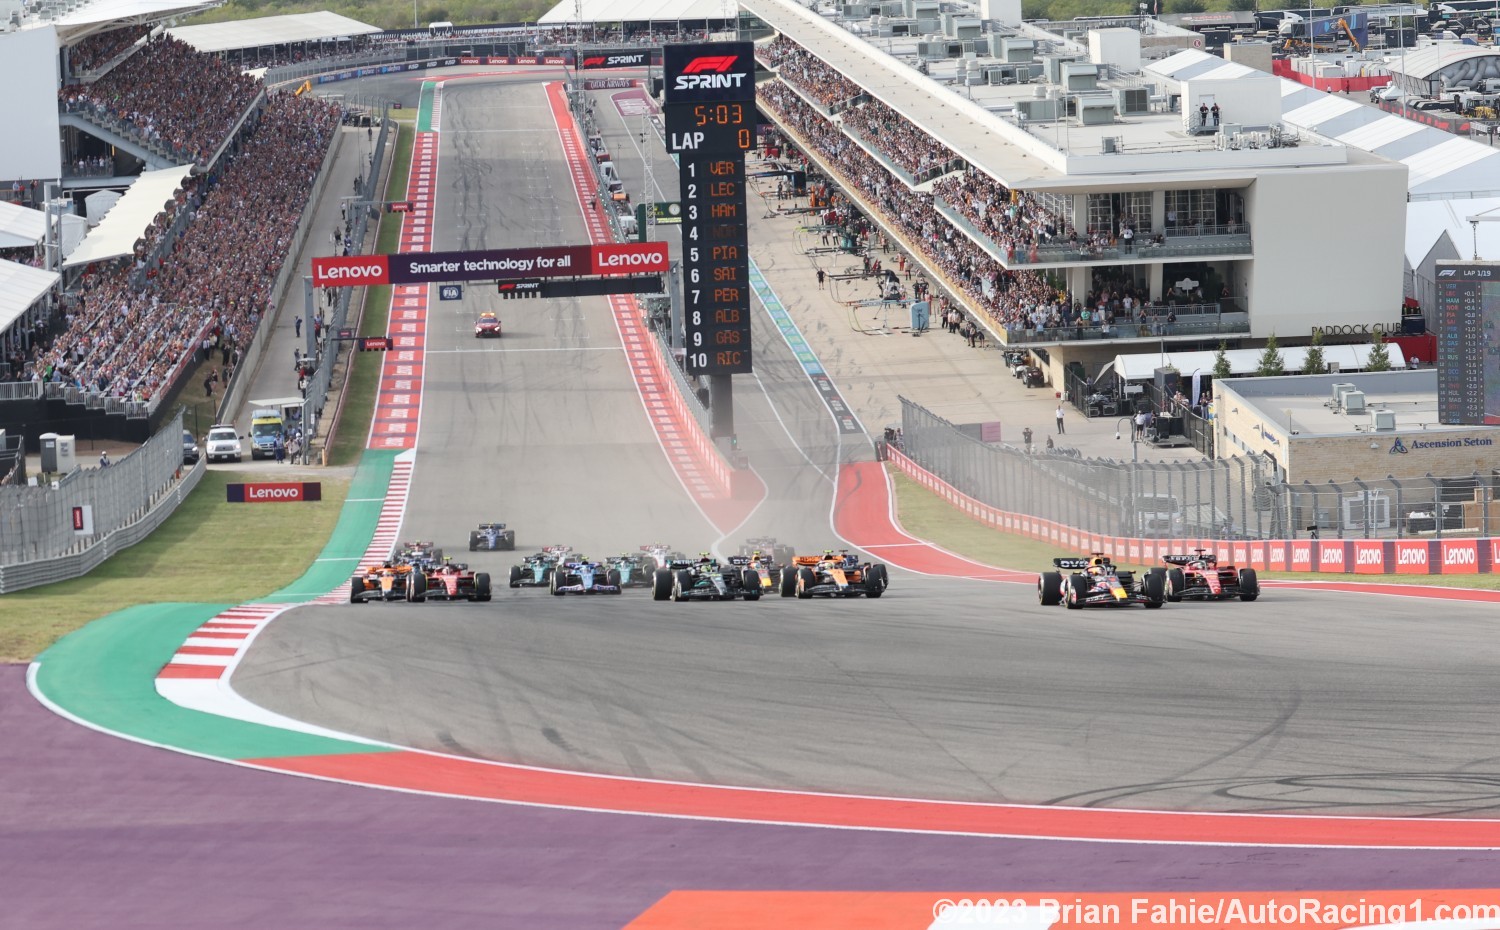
21,226
123,226
20,287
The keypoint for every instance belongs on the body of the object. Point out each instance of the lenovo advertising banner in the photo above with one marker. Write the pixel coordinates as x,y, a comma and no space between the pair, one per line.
271,492
559,261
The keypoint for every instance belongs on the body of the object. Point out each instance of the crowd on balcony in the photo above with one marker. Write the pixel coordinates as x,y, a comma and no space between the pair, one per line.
101,48
171,95
896,138
132,325
797,67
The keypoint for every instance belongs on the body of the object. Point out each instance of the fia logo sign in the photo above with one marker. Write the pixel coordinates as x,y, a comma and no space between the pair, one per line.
451,292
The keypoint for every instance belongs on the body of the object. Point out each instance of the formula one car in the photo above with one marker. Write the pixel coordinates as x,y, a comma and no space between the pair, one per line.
450,581
833,574
1095,582
536,570
492,536
768,546
658,556
487,326
584,577
767,568
632,569
705,579
424,553
390,581
1201,577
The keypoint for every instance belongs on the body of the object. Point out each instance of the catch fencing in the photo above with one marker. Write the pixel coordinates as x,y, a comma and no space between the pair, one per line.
40,542
1234,498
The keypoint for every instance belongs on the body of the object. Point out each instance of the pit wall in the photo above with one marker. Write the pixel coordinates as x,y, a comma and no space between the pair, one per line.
1467,556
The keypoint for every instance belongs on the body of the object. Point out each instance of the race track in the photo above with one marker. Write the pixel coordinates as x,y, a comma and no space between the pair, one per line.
946,688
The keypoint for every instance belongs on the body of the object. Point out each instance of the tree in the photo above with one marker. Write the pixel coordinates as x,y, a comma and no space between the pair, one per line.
1380,356
1315,364
1243,6
1271,363
1221,362
1187,6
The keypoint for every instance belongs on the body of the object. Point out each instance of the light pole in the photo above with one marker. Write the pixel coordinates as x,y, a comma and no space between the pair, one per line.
1134,438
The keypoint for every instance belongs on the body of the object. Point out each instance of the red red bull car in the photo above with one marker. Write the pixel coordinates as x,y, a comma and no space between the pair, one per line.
1200,577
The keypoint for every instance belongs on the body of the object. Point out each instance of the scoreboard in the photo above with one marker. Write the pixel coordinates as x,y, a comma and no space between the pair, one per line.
1468,345
710,123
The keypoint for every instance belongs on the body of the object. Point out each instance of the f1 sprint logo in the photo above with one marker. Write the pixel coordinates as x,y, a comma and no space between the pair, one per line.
710,72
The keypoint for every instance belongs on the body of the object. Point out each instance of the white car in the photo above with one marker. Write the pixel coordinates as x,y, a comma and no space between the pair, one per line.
224,443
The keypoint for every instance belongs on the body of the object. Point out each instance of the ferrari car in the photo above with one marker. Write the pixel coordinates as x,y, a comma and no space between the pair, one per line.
632,569
584,577
767,545
450,581
1095,582
1200,577
536,570
492,536
706,579
390,581
487,326
833,574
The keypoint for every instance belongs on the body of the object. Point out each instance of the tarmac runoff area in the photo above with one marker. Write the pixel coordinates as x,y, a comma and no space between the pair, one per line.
1317,706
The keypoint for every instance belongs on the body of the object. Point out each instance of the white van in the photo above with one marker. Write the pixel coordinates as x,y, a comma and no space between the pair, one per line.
607,171
224,443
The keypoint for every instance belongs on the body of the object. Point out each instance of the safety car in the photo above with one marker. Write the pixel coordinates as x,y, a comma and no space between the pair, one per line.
487,326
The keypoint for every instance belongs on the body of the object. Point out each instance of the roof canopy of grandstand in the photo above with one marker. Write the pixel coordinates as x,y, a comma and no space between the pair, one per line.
270,31
21,226
127,221
1246,361
76,22
1440,165
21,286
637,11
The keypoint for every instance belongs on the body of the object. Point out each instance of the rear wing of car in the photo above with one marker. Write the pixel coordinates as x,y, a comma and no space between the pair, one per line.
556,550
492,526
808,560
1185,559
1074,564
683,563
739,560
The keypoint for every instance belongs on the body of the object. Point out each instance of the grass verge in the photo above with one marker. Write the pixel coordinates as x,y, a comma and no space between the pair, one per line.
209,550
927,516
363,381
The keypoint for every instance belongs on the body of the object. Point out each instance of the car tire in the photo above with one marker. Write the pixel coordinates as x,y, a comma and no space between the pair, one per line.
788,581
508,542
1154,586
482,586
806,580
1176,584
682,582
661,585
1074,597
356,587
750,581
876,581
416,588
515,576
473,542
613,577
1049,589
554,581
1249,584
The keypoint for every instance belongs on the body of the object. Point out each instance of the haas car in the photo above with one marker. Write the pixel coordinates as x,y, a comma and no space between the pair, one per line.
580,576
536,570
705,579
833,574
450,581
388,582
487,326
1200,577
492,536
1095,582
658,556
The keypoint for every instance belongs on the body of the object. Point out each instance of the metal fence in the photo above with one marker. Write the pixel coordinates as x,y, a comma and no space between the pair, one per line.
1239,497
37,523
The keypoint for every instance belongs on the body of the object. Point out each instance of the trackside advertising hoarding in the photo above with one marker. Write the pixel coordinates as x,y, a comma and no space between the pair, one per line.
496,264
616,58
274,492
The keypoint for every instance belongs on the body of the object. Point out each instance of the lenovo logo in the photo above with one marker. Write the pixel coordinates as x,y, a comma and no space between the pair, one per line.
1331,557
1411,557
1369,557
254,493
1465,555
340,271
1301,557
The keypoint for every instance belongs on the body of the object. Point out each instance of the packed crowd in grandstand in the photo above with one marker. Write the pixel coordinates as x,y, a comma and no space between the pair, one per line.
102,47
172,95
807,72
213,286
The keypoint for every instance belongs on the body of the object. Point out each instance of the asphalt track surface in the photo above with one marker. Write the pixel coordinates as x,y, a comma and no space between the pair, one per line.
946,688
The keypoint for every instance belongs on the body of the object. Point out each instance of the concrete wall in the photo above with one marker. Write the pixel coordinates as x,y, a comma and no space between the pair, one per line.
1329,247
1252,102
